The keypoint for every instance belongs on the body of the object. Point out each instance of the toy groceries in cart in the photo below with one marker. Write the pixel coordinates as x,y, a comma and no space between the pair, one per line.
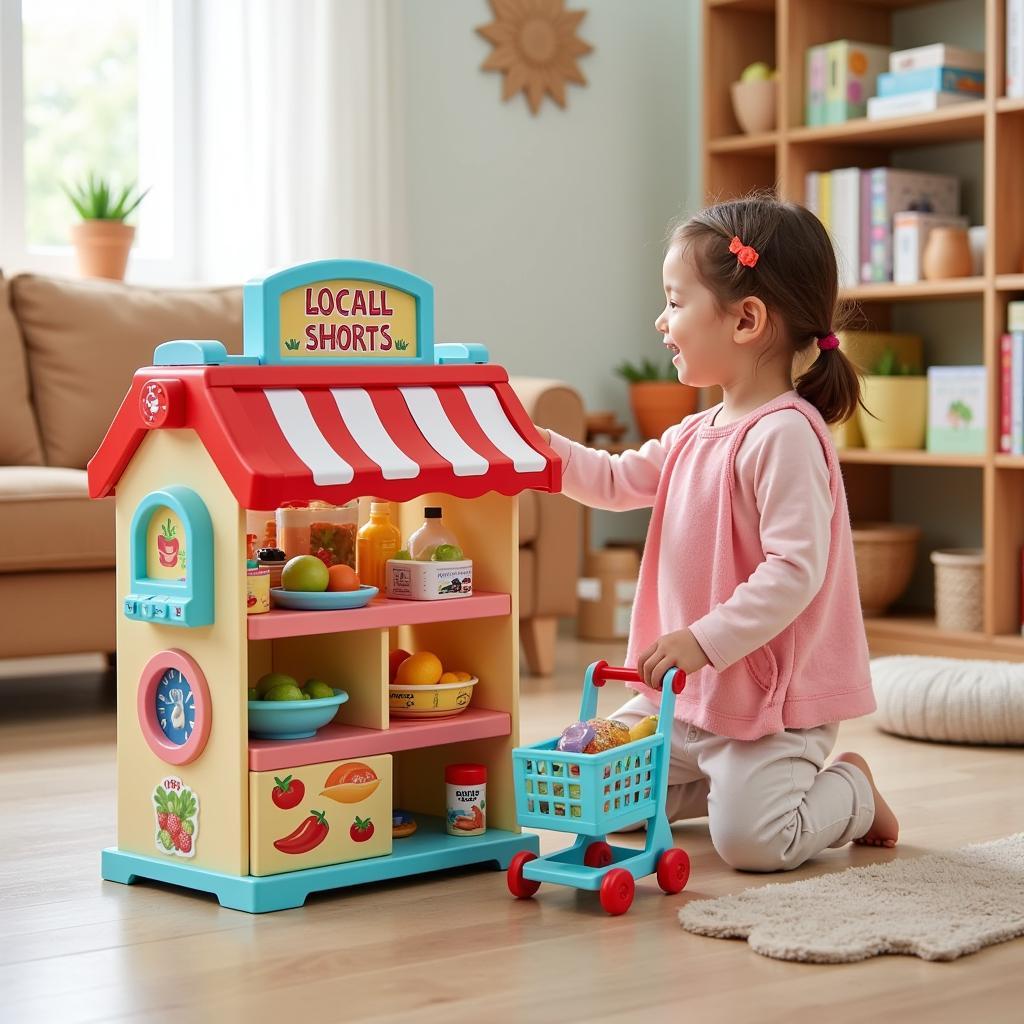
317,587
562,787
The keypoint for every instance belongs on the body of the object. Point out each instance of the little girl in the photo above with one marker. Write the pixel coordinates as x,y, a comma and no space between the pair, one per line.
748,582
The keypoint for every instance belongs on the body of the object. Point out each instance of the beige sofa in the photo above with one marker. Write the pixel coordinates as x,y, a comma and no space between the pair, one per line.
68,349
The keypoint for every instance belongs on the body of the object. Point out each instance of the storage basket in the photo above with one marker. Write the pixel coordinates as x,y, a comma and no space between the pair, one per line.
959,589
885,555
592,794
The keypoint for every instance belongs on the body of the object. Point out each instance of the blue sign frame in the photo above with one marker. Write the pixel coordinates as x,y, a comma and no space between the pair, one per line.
261,306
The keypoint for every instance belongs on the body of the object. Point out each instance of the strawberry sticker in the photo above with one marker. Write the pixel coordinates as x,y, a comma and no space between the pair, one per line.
177,818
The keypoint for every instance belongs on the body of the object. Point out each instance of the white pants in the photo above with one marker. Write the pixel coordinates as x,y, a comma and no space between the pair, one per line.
770,806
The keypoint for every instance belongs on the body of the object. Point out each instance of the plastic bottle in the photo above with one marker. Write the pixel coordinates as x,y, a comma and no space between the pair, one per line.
376,542
432,533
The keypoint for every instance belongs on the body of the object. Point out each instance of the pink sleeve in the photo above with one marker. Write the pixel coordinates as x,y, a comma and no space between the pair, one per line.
613,482
781,462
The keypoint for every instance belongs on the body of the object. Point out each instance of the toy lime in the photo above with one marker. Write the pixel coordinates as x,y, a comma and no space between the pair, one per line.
305,572
272,679
317,688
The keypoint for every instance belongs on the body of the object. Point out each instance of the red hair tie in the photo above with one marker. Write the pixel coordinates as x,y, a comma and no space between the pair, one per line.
745,254
830,341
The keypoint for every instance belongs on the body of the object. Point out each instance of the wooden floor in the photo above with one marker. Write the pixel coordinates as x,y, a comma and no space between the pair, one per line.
457,947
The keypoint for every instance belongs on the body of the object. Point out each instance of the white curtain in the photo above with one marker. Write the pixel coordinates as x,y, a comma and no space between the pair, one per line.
299,151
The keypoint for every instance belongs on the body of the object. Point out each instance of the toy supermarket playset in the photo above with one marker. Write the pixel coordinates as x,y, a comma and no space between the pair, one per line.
317,640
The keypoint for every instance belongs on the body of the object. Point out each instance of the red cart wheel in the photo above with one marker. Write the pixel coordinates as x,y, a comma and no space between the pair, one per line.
598,855
617,891
673,870
521,888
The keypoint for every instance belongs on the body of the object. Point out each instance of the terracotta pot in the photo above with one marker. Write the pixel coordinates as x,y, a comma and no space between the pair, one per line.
947,253
754,104
899,408
660,404
885,554
102,247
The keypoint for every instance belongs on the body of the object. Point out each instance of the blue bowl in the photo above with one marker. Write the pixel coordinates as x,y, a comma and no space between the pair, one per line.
292,719
322,600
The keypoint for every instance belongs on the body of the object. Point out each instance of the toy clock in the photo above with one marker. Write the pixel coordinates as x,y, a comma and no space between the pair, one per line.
174,707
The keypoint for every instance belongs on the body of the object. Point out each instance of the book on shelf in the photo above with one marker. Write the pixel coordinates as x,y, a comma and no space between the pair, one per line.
1015,48
817,78
957,421
1015,315
845,221
922,102
959,81
1011,393
851,72
910,231
936,55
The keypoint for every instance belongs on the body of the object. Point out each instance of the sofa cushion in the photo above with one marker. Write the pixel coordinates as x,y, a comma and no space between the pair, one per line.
527,517
85,339
19,432
48,522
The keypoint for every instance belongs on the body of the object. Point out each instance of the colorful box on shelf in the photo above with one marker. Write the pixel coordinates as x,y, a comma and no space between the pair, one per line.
910,233
936,55
924,101
957,420
841,75
414,580
958,81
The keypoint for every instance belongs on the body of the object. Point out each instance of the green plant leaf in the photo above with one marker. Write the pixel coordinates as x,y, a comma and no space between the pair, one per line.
94,199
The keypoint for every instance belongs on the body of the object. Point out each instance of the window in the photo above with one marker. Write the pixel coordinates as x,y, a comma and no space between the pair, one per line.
102,87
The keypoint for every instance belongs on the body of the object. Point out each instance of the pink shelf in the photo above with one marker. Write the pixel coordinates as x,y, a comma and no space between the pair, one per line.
340,742
380,613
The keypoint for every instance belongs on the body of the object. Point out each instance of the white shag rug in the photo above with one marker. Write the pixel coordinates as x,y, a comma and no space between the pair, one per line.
939,907
951,700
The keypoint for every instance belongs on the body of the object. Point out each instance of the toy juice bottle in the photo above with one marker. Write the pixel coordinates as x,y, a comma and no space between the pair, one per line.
432,533
376,542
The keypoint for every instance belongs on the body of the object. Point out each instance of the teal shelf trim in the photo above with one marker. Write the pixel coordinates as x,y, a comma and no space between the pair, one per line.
428,849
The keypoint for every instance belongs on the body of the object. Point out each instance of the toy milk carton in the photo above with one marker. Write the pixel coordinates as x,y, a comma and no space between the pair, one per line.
956,409
853,70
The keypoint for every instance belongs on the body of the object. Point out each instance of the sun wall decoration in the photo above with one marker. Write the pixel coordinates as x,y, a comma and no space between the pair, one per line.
535,47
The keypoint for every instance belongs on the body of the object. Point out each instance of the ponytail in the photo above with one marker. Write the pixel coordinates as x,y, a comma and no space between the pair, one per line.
831,384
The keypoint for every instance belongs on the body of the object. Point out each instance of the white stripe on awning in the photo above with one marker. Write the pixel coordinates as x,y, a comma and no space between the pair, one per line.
360,417
499,431
305,439
426,409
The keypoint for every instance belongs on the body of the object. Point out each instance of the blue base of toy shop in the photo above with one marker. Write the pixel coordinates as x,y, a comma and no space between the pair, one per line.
429,848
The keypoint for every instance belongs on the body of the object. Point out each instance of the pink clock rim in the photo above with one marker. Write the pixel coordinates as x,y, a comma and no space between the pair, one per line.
171,753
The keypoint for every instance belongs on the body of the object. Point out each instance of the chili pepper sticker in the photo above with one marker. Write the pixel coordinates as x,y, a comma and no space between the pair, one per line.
308,836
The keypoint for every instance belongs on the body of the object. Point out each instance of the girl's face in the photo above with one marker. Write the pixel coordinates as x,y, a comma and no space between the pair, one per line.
694,331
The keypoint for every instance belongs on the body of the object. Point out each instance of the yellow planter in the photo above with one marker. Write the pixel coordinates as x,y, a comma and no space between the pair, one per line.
897,412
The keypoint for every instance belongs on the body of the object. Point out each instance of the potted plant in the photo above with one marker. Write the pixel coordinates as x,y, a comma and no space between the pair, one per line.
657,398
102,240
896,396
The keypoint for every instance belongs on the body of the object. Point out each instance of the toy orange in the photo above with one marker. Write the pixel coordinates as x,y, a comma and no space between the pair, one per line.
420,669
350,783
342,577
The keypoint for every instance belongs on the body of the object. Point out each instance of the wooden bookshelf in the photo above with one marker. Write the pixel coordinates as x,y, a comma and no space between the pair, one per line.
738,32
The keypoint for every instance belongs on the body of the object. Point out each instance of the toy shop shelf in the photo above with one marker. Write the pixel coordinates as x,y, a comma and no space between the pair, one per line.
1010,283
947,288
337,742
950,124
760,144
381,613
908,457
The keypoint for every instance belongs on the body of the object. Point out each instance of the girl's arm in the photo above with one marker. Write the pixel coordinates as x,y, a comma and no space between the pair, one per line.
613,482
785,461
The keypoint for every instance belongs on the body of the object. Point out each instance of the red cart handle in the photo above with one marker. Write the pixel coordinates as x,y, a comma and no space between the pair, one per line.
603,672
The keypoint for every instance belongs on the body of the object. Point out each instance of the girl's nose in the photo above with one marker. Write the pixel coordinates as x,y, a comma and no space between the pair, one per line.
660,324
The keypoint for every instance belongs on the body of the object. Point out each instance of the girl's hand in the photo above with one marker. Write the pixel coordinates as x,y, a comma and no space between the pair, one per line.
674,650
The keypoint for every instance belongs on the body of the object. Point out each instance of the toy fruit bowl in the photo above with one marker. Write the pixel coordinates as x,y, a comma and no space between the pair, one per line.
442,700
292,719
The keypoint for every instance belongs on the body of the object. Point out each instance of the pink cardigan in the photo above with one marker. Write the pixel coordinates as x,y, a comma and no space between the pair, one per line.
750,548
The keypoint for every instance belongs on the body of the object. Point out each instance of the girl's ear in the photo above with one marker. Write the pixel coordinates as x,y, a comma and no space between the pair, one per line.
751,321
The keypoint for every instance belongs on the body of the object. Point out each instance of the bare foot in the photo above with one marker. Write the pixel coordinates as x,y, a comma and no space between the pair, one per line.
885,829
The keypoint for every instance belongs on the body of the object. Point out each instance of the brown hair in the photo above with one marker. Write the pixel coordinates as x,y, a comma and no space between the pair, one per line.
795,277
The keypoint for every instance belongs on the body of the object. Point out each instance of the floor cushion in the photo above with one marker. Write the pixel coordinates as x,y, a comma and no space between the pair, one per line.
951,700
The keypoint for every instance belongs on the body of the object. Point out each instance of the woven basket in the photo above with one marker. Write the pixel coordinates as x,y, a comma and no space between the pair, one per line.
885,555
959,589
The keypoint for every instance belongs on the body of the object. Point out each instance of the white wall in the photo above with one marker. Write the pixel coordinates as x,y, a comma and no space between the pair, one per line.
544,235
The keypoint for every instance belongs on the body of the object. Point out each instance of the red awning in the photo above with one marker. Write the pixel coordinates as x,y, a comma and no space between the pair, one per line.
335,433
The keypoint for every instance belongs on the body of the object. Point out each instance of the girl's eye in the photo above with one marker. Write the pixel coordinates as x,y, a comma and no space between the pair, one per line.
672,305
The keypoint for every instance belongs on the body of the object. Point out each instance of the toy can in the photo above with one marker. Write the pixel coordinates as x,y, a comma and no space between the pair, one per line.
257,588
466,799
429,581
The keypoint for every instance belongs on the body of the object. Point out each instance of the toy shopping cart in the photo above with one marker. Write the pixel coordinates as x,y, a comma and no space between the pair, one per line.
593,794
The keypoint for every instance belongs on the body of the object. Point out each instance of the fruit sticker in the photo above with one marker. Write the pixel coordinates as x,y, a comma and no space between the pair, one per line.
165,545
287,792
351,783
361,830
177,818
